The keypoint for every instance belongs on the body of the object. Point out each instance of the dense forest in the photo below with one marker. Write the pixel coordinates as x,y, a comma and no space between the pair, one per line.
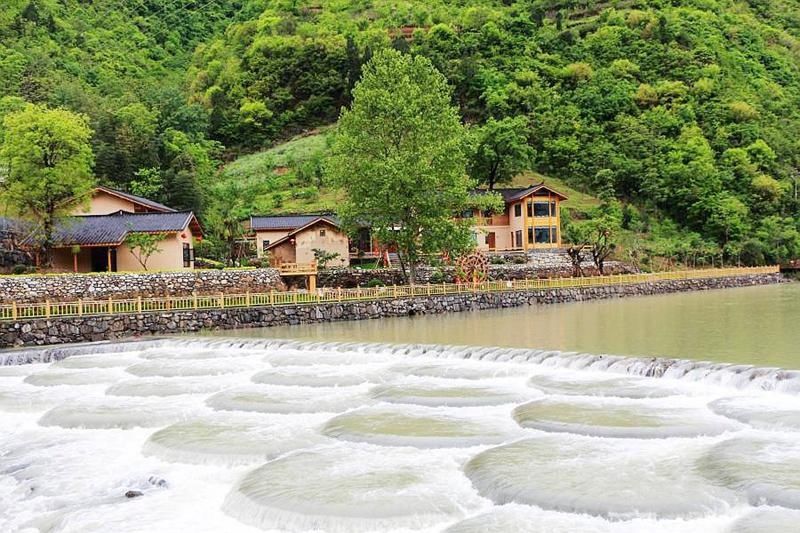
687,112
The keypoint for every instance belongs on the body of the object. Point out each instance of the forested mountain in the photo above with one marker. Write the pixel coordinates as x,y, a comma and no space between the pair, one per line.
687,110
123,64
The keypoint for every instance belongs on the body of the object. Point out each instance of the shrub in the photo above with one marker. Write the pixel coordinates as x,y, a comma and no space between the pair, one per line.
375,282
437,277
22,269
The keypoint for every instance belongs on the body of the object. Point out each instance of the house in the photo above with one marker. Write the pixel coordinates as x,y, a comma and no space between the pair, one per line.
531,220
96,243
293,238
93,238
105,200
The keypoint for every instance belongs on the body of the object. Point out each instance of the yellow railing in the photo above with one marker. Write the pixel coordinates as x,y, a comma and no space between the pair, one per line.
46,309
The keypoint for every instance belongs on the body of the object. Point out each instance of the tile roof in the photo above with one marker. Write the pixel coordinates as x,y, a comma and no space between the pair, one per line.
512,194
311,223
114,228
287,222
137,199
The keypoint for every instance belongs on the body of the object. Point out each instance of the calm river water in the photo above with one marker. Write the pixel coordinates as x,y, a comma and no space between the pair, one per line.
753,325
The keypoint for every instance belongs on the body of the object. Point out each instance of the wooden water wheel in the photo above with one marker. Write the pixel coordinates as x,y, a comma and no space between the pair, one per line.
472,268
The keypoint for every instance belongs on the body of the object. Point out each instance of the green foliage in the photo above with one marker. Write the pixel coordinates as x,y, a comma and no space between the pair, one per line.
501,151
144,245
49,159
323,257
399,155
681,109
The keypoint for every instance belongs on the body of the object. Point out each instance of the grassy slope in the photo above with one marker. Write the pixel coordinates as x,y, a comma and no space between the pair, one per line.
287,188
280,170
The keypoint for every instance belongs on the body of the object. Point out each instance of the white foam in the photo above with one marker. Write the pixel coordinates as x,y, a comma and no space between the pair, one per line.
227,441
617,478
780,413
351,489
764,468
419,427
446,394
115,412
264,399
620,418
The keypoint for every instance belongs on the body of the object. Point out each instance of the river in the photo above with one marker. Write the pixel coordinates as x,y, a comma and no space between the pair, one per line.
526,427
752,325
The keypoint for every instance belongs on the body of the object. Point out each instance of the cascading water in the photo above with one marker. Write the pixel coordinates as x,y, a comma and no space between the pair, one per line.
236,435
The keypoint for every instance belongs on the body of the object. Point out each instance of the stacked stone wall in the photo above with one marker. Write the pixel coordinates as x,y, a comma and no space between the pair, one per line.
98,328
71,287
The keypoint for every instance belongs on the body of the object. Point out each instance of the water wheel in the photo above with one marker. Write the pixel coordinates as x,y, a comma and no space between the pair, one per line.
472,268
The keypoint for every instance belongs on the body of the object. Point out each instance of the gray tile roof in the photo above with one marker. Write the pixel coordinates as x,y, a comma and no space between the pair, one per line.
287,222
114,228
138,199
512,194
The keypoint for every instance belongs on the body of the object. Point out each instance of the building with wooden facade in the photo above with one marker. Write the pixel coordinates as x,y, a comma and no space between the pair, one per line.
530,220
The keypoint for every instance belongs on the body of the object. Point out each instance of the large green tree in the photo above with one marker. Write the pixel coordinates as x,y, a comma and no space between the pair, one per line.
400,156
49,161
501,151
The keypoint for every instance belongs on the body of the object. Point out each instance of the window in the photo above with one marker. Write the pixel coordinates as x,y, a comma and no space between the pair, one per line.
530,235
541,209
553,211
265,245
322,233
467,213
530,208
519,238
554,234
518,210
188,255
542,235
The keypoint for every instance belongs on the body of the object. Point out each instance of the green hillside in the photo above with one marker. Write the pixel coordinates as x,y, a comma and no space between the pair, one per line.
688,111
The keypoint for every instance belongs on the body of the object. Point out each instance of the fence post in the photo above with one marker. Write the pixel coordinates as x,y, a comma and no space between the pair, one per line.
194,299
271,297
80,307
110,307
247,299
394,291
222,300
14,310
47,308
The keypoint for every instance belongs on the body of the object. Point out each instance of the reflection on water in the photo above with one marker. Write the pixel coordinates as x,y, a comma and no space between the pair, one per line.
755,325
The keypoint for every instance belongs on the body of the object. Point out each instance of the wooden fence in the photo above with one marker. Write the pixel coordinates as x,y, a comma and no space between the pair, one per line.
46,309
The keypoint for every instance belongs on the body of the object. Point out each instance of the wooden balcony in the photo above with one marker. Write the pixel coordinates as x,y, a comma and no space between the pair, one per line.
496,220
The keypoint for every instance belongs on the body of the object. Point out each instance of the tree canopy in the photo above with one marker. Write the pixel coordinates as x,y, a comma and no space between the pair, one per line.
400,156
49,160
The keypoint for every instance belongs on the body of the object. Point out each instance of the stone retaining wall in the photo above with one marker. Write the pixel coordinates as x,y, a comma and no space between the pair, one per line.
348,278
69,330
71,287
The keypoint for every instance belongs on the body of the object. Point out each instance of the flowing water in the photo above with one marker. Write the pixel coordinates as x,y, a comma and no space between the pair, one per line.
245,435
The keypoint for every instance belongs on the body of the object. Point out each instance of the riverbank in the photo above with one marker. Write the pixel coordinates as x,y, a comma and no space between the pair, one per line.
78,329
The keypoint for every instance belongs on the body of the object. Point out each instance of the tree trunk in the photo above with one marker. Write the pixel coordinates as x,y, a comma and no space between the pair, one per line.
47,238
402,265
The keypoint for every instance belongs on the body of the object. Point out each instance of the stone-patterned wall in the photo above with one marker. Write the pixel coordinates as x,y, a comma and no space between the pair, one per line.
69,330
70,287
552,266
